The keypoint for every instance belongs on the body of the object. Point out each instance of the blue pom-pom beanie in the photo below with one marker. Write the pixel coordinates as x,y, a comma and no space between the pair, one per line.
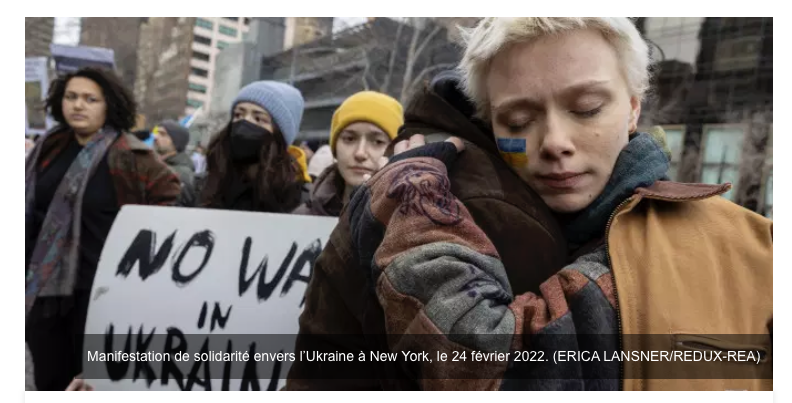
283,102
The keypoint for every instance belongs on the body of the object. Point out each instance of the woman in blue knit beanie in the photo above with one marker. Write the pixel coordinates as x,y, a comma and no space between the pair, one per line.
251,165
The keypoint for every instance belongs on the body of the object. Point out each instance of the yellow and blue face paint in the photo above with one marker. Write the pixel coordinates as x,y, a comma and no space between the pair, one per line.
513,151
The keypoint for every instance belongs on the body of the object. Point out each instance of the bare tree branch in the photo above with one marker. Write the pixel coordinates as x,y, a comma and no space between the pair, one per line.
376,83
428,39
413,53
410,63
364,76
346,84
392,60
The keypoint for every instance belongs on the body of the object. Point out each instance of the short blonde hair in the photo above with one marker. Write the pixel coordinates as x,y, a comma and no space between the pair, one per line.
494,34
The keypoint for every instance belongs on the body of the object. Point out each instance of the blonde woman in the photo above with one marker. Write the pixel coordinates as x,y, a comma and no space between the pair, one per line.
654,265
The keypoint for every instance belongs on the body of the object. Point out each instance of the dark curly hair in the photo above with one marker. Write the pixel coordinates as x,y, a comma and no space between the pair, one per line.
121,106
277,187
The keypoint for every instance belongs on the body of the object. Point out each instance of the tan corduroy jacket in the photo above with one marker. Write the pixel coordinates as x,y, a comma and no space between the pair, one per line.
693,272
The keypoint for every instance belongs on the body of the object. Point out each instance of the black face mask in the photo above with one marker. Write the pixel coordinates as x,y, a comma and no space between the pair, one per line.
246,141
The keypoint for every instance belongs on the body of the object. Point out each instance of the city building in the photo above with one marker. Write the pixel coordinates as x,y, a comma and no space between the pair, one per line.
210,36
121,34
38,35
713,94
238,65
163,67
241,62
333,67
300,30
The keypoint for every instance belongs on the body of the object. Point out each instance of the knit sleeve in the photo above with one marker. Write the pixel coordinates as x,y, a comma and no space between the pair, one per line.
439,280
444,290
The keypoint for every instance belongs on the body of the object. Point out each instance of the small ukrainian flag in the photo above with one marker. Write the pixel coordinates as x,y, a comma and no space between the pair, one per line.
513,151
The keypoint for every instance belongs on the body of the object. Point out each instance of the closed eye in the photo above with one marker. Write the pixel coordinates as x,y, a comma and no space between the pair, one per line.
518,127
589,113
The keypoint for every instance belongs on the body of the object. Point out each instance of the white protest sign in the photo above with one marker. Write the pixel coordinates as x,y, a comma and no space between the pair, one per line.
209,283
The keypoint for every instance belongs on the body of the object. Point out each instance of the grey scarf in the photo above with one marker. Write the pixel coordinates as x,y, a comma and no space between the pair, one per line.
53,265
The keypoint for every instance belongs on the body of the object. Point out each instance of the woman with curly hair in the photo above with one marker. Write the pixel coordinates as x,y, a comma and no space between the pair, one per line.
76,180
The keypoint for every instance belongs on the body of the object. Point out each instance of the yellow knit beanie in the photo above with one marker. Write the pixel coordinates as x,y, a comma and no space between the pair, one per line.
367,106
302,161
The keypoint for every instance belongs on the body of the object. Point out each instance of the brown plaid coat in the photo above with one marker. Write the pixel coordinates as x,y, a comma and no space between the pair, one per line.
139,176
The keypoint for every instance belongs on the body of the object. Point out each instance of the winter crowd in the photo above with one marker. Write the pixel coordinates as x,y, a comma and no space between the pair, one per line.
512,196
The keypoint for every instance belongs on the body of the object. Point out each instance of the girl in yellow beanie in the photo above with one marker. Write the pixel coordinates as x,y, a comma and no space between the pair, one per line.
361,129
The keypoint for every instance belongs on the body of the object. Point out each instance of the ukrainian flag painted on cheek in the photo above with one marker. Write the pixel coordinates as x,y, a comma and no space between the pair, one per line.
513,151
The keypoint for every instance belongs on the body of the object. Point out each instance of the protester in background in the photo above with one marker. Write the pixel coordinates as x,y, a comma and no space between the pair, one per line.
323,158
170,140
198,158
562,97
360,132
251,165
76,180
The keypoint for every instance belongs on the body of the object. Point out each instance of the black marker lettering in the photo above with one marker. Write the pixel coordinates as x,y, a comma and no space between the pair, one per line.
142,250
250,376
203,239
276,370
192,378
265,289
116,370
217,317
202,315
169,367
227,368
143,366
